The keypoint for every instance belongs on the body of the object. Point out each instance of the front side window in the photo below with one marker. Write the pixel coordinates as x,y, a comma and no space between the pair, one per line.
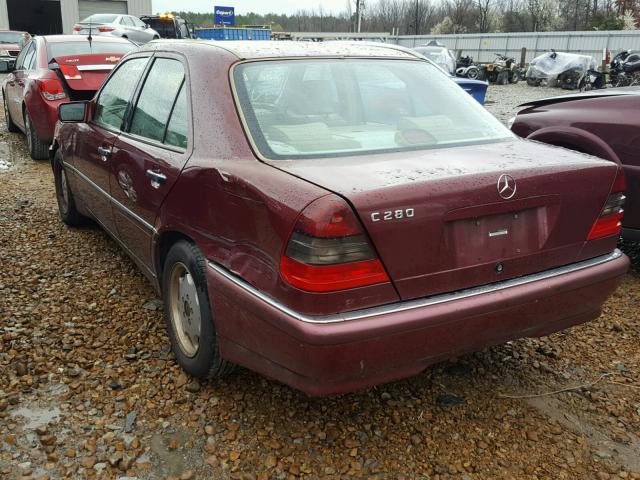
157,99
336,107
114,98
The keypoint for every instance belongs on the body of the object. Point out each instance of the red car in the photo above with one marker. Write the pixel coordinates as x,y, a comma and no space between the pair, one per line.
51,70
333,216
604,123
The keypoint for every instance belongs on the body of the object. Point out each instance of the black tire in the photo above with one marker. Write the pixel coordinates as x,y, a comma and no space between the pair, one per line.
38,149
66,202
473,73
515,77
205,362
532,82
482,74
503,78
156,37
11,127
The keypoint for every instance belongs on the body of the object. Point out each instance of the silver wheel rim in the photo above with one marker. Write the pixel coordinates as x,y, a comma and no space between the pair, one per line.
184,309
64,191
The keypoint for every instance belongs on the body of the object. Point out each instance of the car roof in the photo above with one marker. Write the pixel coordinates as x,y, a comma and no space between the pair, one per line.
80,38
247,50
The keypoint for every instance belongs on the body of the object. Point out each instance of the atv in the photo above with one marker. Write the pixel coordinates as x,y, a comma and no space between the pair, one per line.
502,71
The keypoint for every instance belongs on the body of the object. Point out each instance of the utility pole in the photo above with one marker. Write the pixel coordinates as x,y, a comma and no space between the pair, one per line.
359,5
416,19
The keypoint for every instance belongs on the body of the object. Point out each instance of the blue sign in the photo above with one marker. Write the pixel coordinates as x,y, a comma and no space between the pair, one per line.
224,16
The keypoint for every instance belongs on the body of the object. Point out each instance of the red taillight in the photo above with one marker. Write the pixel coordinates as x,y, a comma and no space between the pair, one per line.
610,220
70,72
105,29
51,89
77,28
329,250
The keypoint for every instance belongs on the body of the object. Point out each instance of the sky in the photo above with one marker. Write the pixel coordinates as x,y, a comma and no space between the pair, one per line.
245,6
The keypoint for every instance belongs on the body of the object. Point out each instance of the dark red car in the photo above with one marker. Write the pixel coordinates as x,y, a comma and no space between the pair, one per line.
604,123
333,216
51,70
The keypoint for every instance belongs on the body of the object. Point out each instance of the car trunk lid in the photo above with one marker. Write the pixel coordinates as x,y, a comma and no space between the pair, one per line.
440,224
84,74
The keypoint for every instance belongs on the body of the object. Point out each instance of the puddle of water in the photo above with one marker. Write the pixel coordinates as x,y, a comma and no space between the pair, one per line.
35,417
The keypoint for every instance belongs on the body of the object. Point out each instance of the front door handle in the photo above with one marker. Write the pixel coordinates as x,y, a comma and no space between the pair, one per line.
104,153
157,178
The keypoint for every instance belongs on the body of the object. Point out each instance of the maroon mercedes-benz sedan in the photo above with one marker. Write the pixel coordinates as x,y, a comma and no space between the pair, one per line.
604,123
333,216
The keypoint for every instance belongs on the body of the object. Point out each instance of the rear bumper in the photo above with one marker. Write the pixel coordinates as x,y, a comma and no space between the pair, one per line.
340,353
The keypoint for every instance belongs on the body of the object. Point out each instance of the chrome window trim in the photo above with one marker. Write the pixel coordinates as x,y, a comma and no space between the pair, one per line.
115,202
420,302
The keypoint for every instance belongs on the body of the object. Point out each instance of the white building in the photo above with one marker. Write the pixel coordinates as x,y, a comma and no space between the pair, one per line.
44,17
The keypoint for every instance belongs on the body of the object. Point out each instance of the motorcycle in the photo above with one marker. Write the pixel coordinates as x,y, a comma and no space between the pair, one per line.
559,69
466,68
624,70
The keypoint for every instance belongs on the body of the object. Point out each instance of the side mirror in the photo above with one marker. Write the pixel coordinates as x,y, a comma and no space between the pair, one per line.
72,111
146,25
7,66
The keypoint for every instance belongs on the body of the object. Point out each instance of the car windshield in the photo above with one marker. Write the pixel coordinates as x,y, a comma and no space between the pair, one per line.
100,18
62,49
336,107
11,37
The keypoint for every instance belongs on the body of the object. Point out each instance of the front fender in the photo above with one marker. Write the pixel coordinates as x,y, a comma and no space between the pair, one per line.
576,139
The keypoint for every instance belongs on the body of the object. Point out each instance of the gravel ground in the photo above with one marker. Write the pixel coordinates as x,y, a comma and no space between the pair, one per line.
89,389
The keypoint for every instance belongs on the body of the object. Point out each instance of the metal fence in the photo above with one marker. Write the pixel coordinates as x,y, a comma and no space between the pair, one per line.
483,46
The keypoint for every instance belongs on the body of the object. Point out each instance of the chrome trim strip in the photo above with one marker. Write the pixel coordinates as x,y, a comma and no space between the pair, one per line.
102,66
120,206
420,302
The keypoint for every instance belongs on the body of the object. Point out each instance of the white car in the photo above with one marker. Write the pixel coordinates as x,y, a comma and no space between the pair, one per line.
125,26
440,55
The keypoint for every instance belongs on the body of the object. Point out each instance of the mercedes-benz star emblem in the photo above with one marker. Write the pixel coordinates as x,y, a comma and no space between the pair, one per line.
506,186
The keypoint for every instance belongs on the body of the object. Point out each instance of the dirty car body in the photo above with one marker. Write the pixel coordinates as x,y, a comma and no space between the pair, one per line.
51,70
338,240
604,123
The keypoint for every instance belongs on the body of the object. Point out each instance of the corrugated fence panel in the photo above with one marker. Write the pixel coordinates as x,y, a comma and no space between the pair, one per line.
484,46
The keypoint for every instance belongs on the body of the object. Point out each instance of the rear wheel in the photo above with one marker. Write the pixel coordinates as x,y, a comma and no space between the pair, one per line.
532,82
473,73
38,149
188,314
503,78
515,77
66,203
12,127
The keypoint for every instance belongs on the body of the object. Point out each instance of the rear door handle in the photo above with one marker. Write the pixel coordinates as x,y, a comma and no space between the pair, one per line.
157,178
104,153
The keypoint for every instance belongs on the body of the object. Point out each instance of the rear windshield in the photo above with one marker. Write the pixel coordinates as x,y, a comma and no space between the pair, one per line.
100,18
164,27
80,48
336,107
11,37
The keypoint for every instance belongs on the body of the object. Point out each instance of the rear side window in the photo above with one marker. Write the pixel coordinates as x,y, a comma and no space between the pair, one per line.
29,58
127,21
111,105
177,128
157,99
